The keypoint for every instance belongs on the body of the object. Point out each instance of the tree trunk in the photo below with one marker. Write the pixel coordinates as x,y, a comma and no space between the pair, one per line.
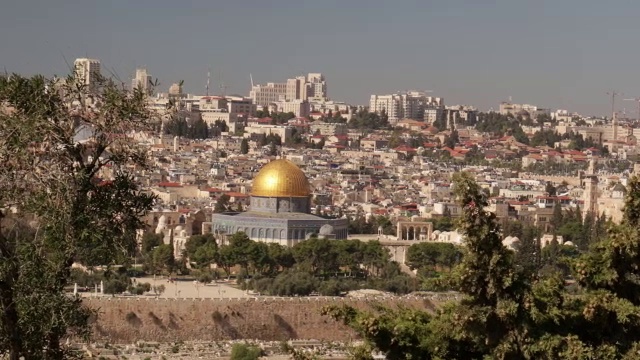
10,318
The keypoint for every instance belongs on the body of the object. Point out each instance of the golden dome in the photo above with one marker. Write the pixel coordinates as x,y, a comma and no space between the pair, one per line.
280,178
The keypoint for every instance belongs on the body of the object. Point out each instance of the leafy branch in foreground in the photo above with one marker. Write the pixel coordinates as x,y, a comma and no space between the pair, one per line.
511,312
67,195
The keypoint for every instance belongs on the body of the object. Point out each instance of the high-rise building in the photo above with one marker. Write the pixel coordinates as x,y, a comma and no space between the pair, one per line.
410,105
313,87
390,104
296,89
175,90
87,72
317,87
142,81
263,95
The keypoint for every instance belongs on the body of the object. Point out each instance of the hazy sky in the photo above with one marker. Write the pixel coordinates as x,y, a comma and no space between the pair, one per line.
559,54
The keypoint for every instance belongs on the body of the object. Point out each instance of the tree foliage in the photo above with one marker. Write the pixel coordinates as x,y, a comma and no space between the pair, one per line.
57,137
244,146
507,312
433,255
222,204
369,121
202,250
501,125
190,125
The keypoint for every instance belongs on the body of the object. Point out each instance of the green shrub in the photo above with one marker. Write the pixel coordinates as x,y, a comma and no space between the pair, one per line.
262,285
205,277
115,286
140,289
245,352
241,276
292,283
400,284
330,287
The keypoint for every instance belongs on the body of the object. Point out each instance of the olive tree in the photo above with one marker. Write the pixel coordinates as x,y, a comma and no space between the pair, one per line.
67,194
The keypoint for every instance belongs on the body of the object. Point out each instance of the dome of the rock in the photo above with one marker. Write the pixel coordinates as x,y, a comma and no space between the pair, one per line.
281,178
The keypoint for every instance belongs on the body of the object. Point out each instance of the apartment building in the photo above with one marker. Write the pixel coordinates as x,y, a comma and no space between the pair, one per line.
296,89
313,86
410,105
507,107
316,87
241,106
142,81
263,95
389,104
299,107
328,129
283,131
87,72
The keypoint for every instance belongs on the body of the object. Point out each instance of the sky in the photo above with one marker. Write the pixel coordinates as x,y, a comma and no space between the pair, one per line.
563,54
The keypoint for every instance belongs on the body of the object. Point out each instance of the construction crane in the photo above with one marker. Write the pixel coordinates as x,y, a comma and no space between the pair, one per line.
637,99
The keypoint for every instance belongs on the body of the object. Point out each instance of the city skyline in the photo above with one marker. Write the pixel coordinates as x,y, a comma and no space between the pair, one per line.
468,53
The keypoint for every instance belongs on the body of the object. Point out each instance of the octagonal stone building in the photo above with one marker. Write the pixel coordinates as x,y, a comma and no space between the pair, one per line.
279,210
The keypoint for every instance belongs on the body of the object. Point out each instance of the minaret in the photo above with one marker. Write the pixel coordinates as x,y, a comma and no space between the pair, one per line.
590,195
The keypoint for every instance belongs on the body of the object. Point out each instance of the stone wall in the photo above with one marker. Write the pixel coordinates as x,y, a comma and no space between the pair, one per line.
126,320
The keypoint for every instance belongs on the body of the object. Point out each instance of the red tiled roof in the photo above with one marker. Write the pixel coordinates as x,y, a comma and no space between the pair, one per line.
169,184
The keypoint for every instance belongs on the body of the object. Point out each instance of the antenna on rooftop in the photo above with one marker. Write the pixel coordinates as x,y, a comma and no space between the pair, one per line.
251,77
223,86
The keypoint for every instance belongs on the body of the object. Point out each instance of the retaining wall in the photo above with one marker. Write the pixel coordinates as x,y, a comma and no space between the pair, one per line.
126,320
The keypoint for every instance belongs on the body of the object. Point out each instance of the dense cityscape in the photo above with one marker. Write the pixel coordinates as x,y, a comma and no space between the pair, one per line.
287,193
282,220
